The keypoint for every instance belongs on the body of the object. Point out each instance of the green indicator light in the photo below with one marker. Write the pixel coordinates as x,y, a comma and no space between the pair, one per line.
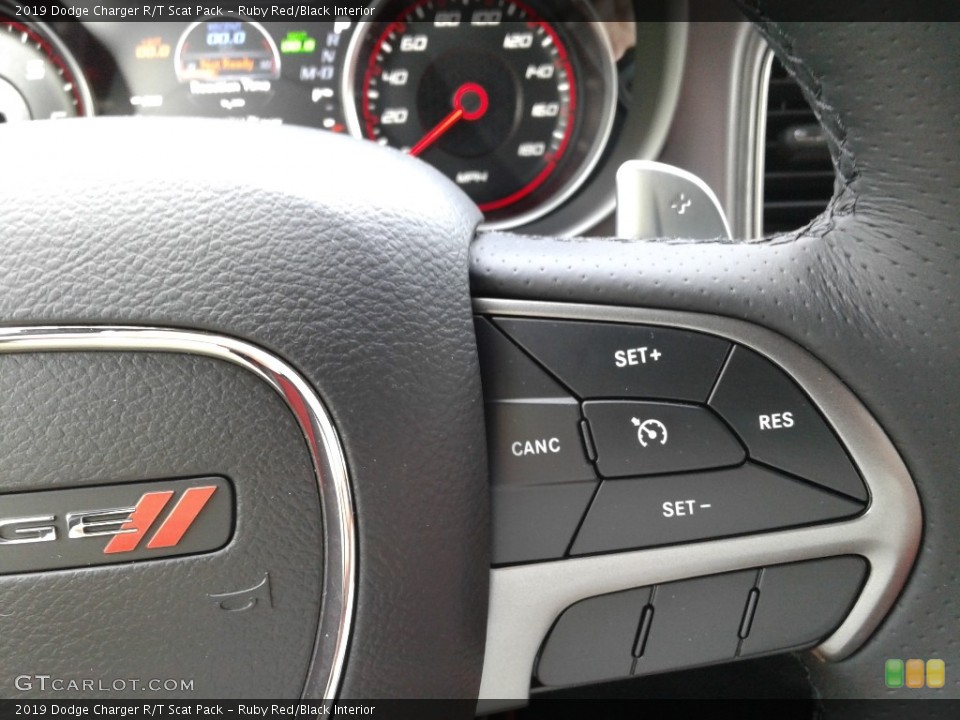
297,42
893,673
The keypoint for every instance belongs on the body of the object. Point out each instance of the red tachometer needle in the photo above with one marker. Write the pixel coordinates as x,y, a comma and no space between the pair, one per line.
468,91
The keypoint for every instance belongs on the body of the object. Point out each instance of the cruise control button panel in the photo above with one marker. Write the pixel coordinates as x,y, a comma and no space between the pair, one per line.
665,436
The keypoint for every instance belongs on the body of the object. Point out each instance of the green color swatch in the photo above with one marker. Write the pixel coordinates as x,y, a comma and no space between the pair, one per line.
893,673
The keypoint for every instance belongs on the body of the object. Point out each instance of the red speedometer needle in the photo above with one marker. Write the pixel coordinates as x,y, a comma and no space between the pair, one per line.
470,102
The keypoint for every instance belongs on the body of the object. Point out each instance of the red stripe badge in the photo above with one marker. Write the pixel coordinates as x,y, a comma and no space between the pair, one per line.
172,529
182,517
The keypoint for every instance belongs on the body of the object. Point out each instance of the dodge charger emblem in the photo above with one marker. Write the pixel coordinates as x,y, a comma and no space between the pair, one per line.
81,526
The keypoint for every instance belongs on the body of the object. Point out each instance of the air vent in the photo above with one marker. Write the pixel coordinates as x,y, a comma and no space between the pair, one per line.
798,173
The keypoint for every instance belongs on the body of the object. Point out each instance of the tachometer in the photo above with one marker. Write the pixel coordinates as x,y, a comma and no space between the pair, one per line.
512,107
38,77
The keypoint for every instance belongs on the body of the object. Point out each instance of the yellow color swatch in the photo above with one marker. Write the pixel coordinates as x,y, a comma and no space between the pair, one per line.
914,673
936,673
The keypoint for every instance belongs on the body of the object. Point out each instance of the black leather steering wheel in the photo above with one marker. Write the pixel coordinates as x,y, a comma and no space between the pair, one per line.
356,266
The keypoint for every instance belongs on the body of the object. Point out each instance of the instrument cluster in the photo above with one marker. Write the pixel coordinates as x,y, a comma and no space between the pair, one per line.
515,101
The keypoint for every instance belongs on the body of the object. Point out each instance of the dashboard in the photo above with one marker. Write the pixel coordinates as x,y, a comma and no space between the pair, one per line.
519,102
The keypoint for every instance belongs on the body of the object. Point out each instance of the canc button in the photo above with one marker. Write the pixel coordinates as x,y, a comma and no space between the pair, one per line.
534,443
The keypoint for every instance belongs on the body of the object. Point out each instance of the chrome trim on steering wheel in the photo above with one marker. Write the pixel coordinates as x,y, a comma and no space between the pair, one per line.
323,443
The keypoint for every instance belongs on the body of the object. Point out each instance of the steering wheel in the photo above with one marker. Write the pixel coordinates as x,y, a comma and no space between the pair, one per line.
193,299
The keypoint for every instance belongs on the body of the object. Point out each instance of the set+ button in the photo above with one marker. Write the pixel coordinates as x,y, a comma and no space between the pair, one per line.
606,360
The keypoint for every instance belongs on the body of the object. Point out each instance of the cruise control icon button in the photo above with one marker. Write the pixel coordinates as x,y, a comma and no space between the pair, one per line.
650,432
649,438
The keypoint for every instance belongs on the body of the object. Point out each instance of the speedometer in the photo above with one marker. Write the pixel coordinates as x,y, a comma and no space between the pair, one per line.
514,107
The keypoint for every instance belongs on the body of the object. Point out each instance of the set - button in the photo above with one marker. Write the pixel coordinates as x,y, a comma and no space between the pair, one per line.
667,509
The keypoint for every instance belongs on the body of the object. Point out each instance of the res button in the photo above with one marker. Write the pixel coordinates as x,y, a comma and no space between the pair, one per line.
604,360
780,426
